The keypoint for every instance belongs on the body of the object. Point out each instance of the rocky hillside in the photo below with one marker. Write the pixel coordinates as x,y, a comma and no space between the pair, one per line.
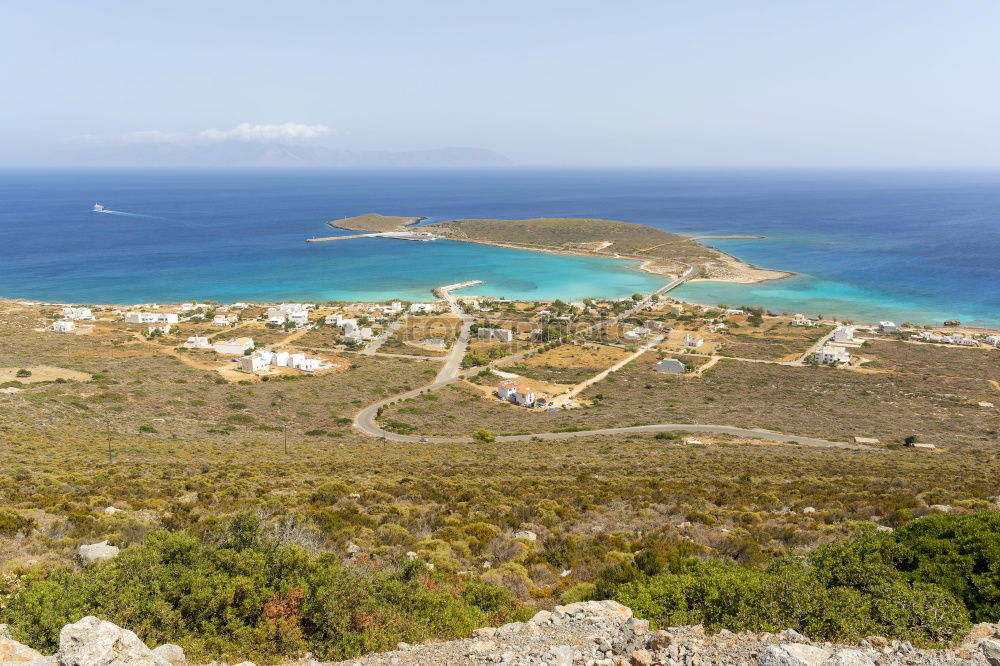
595,633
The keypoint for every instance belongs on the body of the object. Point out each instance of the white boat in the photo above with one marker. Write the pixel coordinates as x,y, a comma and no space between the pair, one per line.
98,208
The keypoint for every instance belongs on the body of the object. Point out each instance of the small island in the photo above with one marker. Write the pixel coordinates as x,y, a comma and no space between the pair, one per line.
376,222
659,252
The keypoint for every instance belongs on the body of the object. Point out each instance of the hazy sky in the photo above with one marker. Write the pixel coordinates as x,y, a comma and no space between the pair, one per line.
644,82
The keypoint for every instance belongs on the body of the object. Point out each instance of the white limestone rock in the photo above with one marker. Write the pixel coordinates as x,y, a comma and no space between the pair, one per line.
95,642
793,654
97,552
172,653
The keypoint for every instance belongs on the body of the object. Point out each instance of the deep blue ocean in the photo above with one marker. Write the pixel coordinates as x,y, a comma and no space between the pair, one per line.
917,245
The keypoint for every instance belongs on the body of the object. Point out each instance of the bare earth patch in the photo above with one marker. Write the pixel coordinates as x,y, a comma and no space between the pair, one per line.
42,373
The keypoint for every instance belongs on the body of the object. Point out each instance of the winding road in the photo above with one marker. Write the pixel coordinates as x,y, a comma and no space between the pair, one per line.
365,420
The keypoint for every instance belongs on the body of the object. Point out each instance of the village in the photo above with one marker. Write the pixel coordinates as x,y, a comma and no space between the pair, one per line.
539,356
263,340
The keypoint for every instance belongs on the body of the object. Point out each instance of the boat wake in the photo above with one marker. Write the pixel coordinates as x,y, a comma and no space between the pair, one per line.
98,208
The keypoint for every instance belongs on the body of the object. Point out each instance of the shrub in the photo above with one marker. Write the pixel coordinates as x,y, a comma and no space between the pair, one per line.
245,596
23,373
483,436
921,583
11,523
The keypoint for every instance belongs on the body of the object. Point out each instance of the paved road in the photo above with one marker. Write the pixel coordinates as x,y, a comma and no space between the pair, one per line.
366,423
453,361
755,433
373,346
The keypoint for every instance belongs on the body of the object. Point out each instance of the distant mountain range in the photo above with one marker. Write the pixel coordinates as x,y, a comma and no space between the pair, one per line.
252,154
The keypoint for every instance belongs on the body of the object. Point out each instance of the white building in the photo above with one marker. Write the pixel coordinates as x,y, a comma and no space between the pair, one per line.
252,363
365,333
831,355
887,327
693,341
221,320
64,326
394,308
158,328
498,334
799,319
197,342
309,364
671,366
134,317
993,340
297,313
333,320
632,336
234,346
844,335
77,314
519,394
281,359
421,307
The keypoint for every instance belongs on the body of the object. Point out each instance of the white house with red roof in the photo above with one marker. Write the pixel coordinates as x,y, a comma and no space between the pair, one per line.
516,392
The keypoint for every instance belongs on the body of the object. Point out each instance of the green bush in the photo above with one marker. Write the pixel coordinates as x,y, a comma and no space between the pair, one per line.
922,583
11,523
246,597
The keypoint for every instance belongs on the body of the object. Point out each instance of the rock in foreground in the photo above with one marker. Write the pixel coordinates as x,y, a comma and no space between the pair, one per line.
604,633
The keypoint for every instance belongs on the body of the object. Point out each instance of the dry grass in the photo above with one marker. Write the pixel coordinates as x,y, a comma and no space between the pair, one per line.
573,234
818,402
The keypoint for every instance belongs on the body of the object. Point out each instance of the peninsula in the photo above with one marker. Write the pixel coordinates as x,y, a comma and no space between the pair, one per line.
659,252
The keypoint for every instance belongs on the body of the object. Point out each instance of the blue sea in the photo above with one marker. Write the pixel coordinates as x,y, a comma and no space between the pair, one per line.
917,246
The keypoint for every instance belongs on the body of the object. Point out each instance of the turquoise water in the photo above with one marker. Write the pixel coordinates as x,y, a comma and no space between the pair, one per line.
867,245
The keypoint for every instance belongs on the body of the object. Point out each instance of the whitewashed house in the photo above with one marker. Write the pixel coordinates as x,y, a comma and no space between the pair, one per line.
158,328
233,346
831,355
365,333
394,308
281,359
77,314
134,317
197,342
887,327
253,363
421,307
498,334
519,394
993,340
64,326
671,366
221,320
844,335
297,313
693,341
632,336
309,364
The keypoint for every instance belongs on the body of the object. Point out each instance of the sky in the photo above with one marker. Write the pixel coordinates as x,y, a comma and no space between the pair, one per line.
731,83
